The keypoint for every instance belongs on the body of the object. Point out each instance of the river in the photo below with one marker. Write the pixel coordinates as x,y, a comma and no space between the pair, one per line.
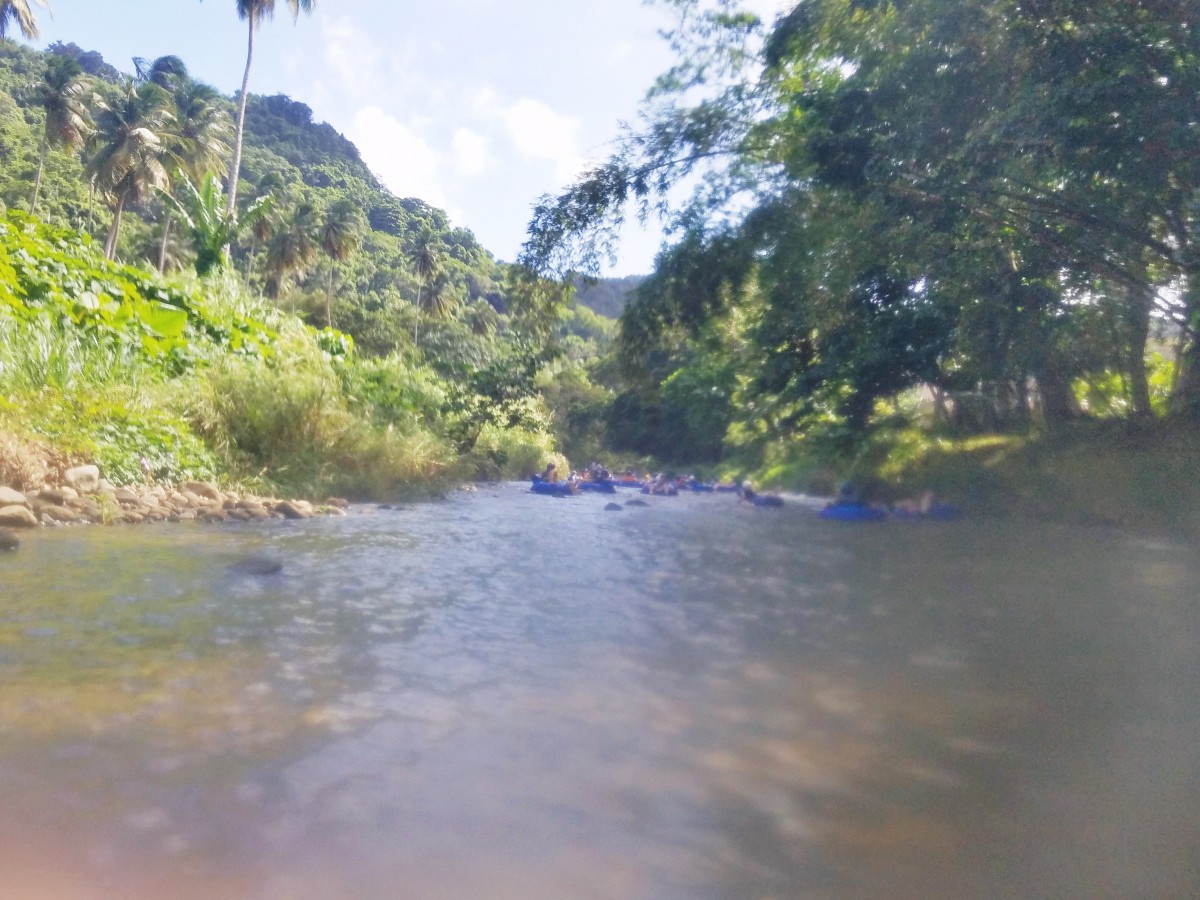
503,696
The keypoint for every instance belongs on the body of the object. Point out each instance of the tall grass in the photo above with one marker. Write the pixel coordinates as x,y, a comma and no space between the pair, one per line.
285,424
38,354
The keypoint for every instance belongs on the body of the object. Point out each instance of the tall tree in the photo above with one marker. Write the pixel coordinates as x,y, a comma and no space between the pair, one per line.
61,93
341,233
293,248
130,158
979,162
20,12
426,258
197,140
253,12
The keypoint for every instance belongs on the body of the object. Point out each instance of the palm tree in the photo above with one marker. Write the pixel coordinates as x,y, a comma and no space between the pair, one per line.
61,94
202,210
265,227
19,12
168,72
201,125
130,158
442,297
341,233
254,12
197,142
293,249
426,259
482,318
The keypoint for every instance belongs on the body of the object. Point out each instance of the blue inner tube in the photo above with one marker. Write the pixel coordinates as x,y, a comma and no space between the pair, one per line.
852,512
553,489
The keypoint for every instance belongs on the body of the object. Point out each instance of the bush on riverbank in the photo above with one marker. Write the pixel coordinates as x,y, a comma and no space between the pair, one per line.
183,379
1138,475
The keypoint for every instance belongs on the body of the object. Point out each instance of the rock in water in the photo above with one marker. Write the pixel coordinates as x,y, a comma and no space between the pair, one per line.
9,497
8,541
257,565
17,517
613,507
636,503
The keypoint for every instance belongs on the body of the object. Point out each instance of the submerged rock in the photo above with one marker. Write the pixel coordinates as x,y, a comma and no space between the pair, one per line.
613,507
256,565
8,541
294,509
636,503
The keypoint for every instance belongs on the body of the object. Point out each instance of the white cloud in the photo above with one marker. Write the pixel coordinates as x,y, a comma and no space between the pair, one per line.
471,151
351,57
402,158
620,54
540,133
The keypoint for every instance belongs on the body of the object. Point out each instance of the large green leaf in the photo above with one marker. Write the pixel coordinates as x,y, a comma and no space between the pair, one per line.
165,321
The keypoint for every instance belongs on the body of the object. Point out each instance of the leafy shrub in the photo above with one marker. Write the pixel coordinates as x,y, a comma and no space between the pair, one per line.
512,453
286,421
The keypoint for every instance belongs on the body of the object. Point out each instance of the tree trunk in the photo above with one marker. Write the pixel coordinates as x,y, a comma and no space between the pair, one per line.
1139,332
329,299
250,259
1185,393
37,182
92,206
162,247
110,244
1058,400
417,323
236,166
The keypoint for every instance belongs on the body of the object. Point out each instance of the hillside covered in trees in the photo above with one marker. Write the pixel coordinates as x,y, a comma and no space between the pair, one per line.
381,329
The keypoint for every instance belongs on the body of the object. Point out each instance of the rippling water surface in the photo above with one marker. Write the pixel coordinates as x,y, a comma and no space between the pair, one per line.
505,695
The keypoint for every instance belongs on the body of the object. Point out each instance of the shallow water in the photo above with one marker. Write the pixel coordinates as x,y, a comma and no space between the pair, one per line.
505,695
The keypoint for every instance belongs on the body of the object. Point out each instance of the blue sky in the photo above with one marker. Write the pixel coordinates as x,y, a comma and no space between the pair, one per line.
475,106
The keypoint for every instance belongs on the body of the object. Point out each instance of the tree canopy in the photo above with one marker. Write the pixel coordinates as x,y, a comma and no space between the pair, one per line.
995,198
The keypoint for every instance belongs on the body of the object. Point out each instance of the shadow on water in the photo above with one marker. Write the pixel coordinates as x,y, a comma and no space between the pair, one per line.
508,696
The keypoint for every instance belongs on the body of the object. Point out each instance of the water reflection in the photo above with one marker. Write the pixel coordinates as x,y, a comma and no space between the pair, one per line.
504,695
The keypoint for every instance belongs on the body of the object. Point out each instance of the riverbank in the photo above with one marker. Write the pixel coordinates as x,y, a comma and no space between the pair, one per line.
87,499
1138,476
40,488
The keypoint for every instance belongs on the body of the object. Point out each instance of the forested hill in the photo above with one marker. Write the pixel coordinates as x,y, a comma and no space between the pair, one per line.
409,364
608,296
307,167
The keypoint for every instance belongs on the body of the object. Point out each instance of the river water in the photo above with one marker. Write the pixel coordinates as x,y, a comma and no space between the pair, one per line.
504,695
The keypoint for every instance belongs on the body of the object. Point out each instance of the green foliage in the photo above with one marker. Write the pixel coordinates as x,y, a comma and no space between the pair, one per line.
212,228
899,193
58,275
286,421
395,393
578,410
511,453
355,408
502,394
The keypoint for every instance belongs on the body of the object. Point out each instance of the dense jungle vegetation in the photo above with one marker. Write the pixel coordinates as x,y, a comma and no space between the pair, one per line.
981,215
908,227
325,337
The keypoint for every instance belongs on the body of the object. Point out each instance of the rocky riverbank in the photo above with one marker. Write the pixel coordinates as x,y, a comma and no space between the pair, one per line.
85,498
